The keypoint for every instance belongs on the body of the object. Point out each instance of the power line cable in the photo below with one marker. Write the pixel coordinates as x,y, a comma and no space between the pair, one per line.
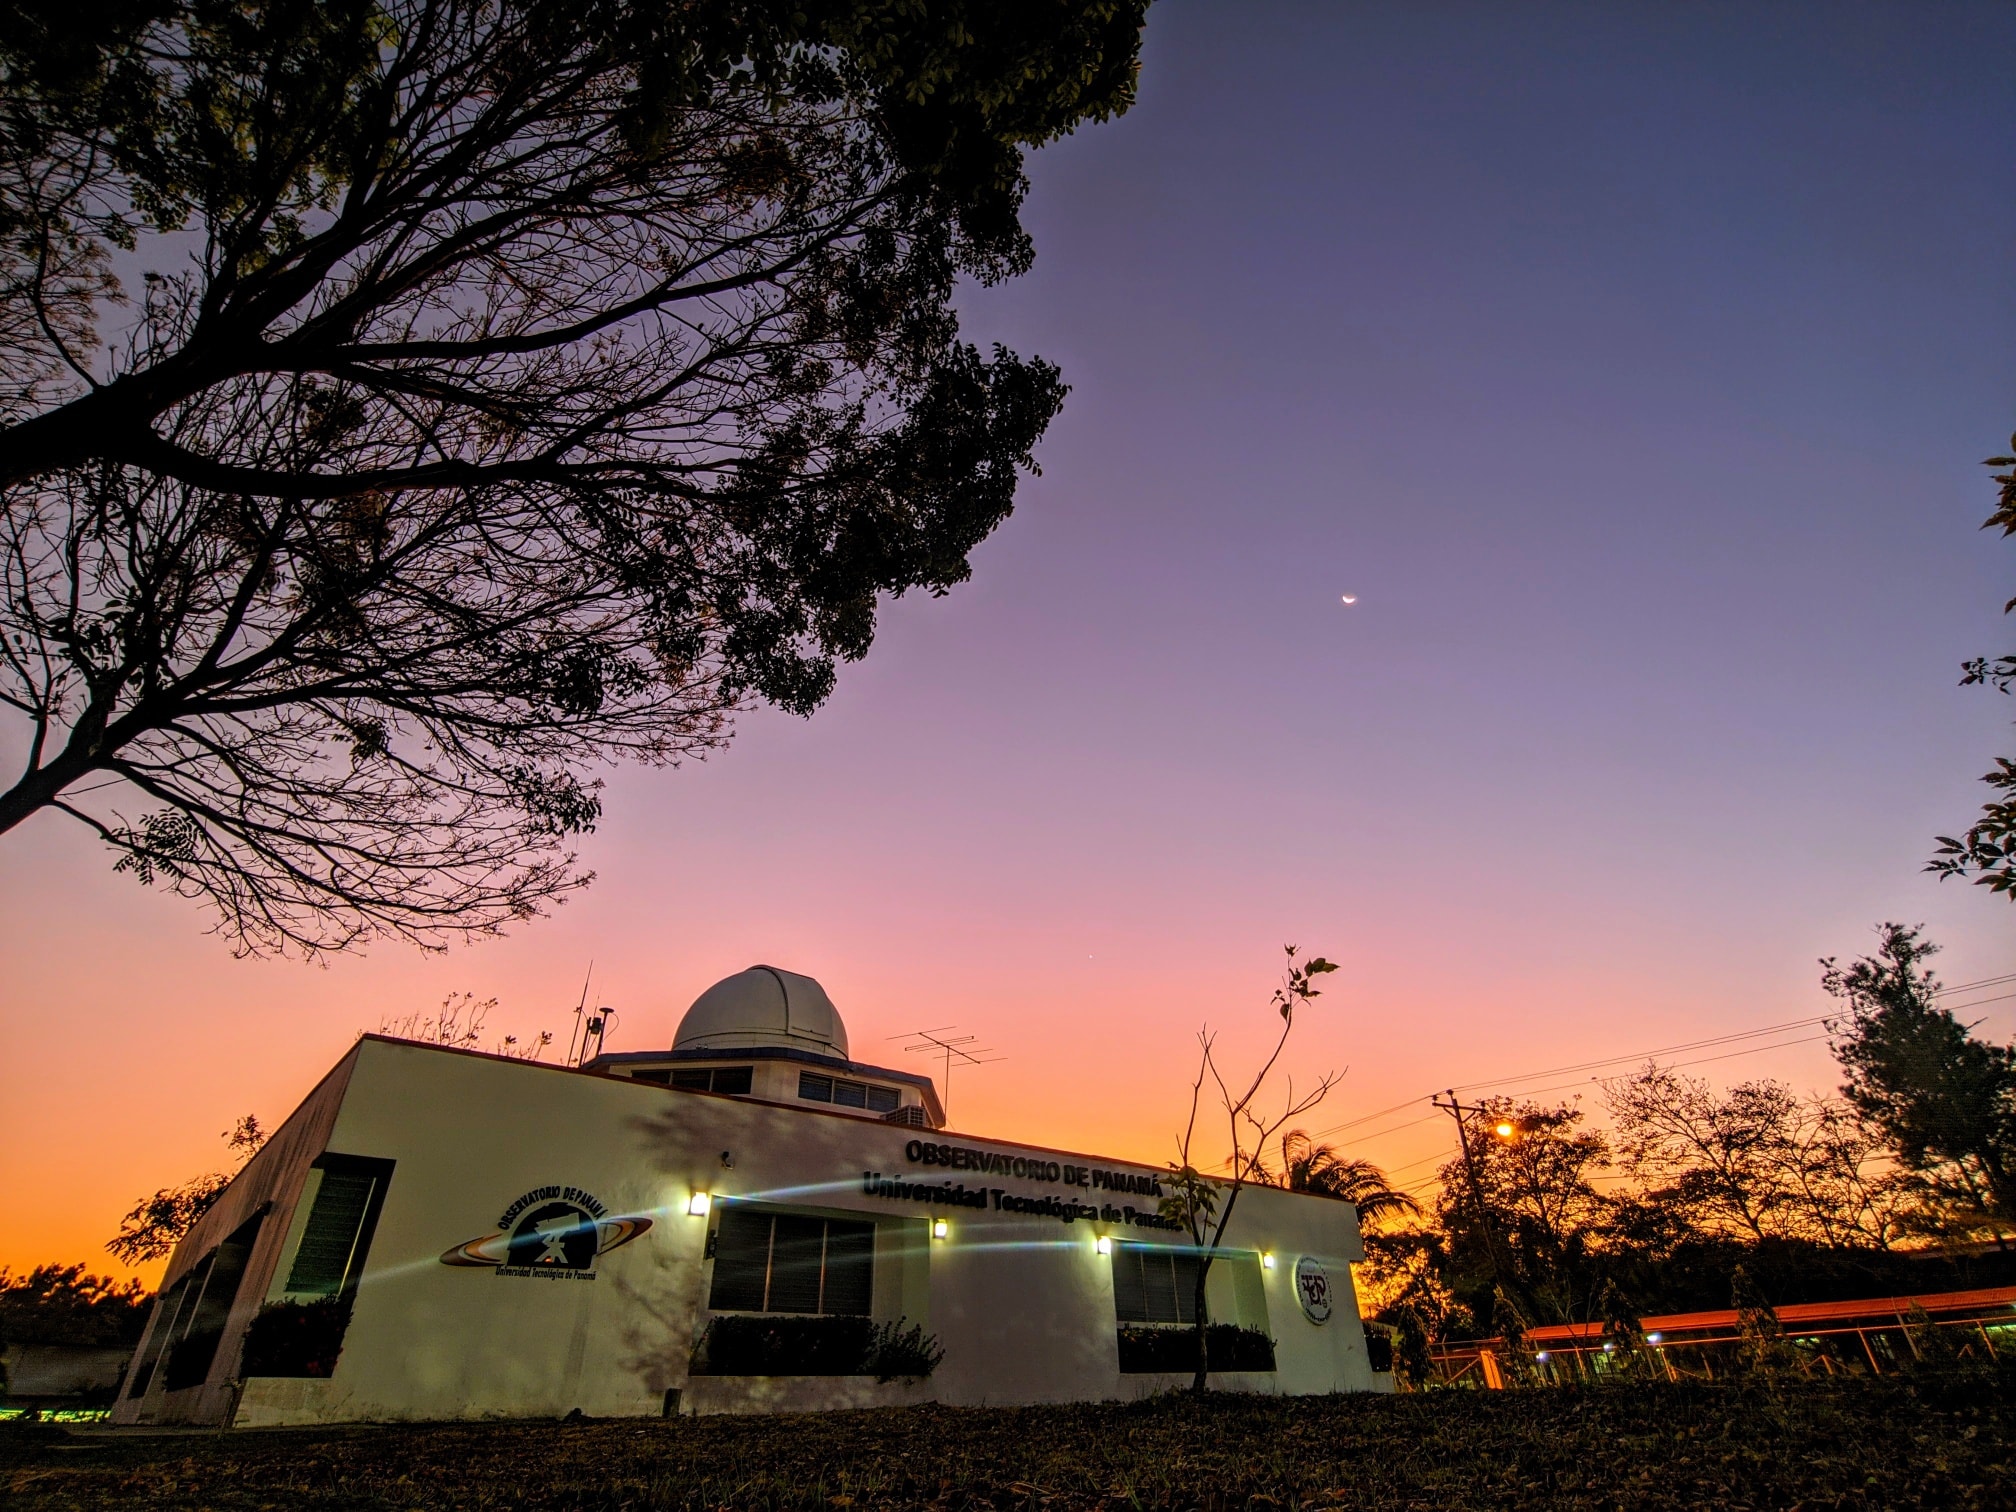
1702,1044
1507,1081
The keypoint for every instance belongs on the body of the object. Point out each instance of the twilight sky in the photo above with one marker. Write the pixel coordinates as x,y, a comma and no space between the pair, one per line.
1632,365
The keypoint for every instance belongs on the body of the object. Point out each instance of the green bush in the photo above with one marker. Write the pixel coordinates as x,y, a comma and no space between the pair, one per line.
1151,1350
296,1339
738,1344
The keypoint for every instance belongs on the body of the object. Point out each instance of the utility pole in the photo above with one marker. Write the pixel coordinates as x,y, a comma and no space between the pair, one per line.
1457,1111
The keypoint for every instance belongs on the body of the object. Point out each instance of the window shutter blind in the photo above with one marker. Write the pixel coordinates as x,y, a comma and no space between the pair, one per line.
741,1261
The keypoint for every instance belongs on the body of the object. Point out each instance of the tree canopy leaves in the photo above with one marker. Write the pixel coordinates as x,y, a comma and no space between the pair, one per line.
502,388
1987,852
1944,1099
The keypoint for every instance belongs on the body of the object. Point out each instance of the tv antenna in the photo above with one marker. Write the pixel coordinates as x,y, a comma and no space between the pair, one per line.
952,1048
590,1024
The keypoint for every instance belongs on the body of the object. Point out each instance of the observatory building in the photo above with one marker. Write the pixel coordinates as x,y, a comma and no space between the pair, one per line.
750,1220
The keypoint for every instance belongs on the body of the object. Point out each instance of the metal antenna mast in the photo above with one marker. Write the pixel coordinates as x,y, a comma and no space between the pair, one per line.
950,1047
588,1024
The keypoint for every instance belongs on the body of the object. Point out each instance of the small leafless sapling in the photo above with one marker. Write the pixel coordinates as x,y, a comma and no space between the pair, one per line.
1204,1205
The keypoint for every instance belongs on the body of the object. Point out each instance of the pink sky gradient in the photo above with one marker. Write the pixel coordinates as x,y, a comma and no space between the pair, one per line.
1632,367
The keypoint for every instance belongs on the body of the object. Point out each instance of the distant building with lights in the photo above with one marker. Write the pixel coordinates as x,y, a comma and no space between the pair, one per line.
749,1221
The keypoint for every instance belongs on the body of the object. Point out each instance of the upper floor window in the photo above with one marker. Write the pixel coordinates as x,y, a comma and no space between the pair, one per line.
814,1087
734,1080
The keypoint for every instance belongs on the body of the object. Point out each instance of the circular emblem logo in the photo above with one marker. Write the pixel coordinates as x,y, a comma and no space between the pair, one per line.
554,1236
550,1231
1312,1289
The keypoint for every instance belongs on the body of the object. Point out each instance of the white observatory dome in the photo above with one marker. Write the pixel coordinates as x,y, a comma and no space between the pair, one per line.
763,1006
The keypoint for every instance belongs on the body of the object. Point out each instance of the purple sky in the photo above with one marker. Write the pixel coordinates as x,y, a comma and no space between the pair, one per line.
1633,364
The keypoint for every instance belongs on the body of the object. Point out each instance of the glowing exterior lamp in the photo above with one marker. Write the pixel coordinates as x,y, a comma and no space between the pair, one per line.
1267,1262
940,1229
1103,1245
700,1204
1653,1338
1541,1357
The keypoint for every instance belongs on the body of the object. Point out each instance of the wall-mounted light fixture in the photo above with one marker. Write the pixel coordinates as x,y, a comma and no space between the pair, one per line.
1653,1338
940,1229
1267,1261
700,1204
1103,1245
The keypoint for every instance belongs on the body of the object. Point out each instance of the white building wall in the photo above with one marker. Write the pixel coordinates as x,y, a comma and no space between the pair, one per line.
1022,1304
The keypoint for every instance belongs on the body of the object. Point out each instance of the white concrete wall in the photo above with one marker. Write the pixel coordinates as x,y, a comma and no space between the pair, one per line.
272,1180
1021,1303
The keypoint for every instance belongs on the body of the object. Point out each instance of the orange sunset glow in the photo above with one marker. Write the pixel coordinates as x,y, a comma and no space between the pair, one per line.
1514,530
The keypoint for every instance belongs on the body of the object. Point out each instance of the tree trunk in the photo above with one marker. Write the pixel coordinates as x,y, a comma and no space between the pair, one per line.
1201,1322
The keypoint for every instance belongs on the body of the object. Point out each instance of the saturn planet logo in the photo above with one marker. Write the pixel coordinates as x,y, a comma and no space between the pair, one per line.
557,1232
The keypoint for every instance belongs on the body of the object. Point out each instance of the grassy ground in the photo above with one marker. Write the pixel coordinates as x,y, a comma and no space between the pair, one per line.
1846,1445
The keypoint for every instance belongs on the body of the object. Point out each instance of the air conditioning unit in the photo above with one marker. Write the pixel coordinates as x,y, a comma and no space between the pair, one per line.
910,1114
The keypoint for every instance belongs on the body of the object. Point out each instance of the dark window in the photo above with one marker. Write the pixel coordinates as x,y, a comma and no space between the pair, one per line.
1154,1284
850,1269
813,1087
734,1080
766,1261
337,1236
660,1077
167,1312
797,1259
741,1260
195,1346
849,1094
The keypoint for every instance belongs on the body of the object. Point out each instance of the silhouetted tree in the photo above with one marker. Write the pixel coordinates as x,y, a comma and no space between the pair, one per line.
1944,1100
1753,1162
157,1224
1987,852
65,1304
1307,1166
514,386
1535,1204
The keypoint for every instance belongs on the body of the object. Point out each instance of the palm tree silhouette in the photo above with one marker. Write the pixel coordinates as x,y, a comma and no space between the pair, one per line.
1307,1166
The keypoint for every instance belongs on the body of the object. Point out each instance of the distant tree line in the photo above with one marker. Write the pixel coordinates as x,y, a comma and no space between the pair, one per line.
1900,1182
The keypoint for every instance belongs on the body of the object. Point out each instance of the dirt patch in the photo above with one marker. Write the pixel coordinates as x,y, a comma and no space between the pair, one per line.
1844,1445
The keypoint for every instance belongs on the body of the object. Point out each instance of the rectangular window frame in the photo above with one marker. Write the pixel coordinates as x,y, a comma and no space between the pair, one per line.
1156,1283
842,1092
193,1352
359,1250
730,1081
845,1285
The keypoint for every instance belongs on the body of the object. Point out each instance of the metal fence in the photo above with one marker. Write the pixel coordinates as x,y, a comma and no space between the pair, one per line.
1865,1336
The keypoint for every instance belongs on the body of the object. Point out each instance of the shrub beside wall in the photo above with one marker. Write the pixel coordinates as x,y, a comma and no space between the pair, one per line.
1151,1350
296,1339
741,1344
